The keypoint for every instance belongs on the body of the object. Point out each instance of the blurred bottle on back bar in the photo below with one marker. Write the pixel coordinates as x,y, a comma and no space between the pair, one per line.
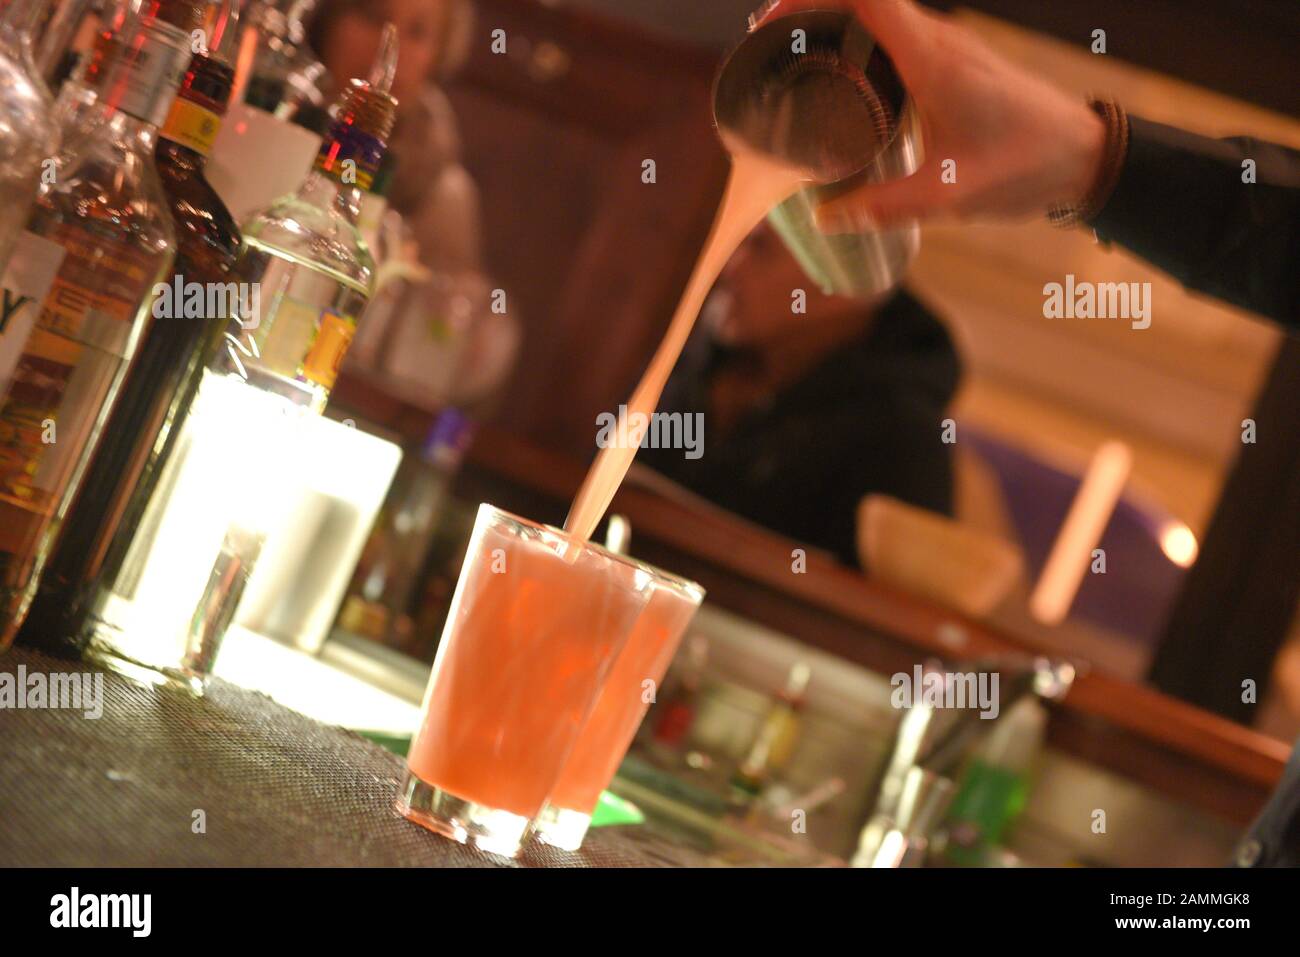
56,52
304,276
76,94
103,218
277,114
381,597
27,133
777,738
164,375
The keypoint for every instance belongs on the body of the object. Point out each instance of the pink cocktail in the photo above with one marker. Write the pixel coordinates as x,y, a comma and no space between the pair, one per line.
536,623
627,695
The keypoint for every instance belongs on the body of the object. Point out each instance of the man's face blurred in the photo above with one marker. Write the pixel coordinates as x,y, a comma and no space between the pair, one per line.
751,302
353,43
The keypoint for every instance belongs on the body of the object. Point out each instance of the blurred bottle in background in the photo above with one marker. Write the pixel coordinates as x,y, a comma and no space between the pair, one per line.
996,785
277,113
63,26
382,598
777,738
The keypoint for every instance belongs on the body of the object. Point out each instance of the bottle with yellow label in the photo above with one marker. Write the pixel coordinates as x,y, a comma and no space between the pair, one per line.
82,277
307,253
302,278
160,385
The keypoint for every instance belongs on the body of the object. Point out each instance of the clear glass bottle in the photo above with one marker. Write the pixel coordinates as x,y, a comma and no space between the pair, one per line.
103,218
163,615
54,52
27,132
285,78
164,375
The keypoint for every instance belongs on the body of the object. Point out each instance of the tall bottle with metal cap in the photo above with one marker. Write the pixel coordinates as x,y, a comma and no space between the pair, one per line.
102,228
306,274
164,375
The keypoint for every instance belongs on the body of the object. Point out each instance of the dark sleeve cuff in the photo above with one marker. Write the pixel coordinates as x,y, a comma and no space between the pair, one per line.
1182,202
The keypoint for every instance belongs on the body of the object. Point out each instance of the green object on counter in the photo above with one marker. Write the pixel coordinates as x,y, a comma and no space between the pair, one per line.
990,799
612,809
996,786
399,744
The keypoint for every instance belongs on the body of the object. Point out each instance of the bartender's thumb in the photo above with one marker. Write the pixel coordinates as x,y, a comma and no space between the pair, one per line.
881,205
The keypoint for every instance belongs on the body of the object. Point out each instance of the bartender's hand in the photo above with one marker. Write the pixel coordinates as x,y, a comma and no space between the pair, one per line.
1021,146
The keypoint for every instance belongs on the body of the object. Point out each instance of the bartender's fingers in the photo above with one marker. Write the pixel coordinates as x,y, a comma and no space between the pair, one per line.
881,205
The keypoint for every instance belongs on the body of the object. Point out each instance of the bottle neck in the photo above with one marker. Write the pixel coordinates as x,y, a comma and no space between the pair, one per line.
193,124
140,135
143,72
345,170
325,192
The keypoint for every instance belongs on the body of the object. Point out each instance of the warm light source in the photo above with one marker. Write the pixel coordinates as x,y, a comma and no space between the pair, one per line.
1179,544
1068,562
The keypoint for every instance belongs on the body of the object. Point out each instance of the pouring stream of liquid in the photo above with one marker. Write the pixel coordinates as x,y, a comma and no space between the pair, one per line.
754,185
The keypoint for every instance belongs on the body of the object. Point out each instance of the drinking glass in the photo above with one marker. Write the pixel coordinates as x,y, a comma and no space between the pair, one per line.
537,620
626,696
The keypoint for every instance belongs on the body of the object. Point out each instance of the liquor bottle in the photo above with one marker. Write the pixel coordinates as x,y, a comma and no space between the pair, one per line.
309,248
161,616
27,133
164,375
382,593
777,737
285,78
277,115
73,109
55,55
104,217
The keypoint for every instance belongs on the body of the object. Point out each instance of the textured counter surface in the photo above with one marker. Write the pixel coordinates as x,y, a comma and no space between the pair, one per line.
274,788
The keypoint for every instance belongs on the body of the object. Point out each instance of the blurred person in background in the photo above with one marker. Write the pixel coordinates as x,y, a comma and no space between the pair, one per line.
430,189
806,413
432,335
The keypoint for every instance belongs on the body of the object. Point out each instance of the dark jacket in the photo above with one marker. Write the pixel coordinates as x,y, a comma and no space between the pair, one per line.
1181,203
866,419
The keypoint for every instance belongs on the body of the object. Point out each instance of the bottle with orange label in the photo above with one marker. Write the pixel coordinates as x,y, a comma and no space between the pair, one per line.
99,239
302,278
307,253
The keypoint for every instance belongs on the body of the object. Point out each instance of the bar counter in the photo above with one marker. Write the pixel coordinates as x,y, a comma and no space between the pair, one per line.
231,779
1183,752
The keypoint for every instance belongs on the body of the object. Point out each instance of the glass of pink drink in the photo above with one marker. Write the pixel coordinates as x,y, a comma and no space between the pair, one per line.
536,622
627,695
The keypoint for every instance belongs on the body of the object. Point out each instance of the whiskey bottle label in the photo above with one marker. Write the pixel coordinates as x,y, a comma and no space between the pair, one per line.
192,126
68,364
27,280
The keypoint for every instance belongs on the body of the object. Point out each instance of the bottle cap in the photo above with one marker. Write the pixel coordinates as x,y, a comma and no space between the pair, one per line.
141,68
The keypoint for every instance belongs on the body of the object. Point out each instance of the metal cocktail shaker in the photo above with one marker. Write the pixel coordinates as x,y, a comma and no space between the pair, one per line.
814,90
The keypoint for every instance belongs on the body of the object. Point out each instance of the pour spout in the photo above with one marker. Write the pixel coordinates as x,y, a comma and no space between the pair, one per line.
385,66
